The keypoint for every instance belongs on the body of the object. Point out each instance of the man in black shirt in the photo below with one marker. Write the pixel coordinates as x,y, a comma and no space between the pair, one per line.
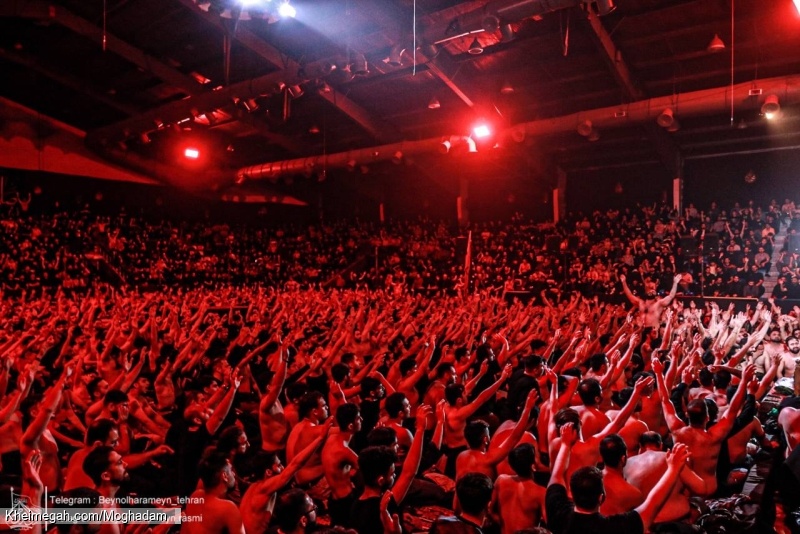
582,515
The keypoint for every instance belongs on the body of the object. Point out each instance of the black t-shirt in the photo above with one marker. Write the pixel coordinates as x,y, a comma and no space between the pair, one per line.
562,518
365,515
189,445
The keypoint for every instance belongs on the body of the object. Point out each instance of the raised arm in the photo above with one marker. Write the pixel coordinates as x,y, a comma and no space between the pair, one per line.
666,300
496,456
485,396
411,463
626,290
673,421
624,414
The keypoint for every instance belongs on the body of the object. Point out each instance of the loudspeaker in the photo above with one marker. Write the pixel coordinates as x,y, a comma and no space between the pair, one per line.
711,243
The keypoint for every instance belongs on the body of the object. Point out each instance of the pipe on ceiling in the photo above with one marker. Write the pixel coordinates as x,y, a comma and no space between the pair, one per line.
694,104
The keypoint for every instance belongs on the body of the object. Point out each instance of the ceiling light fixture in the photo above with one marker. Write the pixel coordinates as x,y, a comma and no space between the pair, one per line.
481,130
666,118
771,106
475,48
716,44
434,103
287,10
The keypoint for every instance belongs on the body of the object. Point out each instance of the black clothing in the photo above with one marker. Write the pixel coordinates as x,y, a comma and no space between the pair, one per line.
562,518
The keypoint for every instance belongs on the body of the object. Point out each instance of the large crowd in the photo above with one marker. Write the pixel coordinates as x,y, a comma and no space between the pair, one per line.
350,377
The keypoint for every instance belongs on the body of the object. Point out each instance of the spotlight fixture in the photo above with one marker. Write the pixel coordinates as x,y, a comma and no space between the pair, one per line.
507,32
191,153
490,23
351,165
472,147
395,58
295,91
481,130
594,135
674,127
434,103
287,10
359,65
475,48
751,177
397,158
771,106
716,44
444,148
585,128
145,139
665,119
314,129
797,5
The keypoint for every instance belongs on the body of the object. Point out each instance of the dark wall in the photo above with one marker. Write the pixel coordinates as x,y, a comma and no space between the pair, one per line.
645,184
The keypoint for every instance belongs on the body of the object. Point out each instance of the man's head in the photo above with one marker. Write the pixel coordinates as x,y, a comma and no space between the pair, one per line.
651,441
446,373
474,492
348,418
103,432
312,406
793,344
614,451
377,467
568,415
477,435
295,512
533,365
697,411
216,471
397,405
521,459
116,402
775,335
105,467
588,491
454,394
590,392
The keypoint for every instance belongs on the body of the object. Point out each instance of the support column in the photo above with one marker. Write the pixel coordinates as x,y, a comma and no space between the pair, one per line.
677,188
560,195
461,201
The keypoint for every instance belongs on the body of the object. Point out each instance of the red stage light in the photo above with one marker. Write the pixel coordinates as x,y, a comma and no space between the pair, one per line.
797,5
483,130
191,153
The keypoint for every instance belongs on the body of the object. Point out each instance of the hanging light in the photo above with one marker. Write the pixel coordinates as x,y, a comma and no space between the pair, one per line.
716,44
475,48
585,128
771,106
594,136
666,118
287,10
396,56
434,103
507,89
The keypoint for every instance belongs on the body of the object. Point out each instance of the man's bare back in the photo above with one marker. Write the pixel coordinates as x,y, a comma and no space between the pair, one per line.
519,502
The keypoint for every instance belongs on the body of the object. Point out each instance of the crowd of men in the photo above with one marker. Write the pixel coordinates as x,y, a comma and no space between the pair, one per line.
298,407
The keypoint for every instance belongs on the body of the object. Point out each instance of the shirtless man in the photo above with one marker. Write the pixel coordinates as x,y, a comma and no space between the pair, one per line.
480,458
313,411
704,443
108,471
650,307
586,452
258,502
621,496
644,470
340,463
457,411
789,358
593,419
398,409
37,435
634,426
517,501
220,515
789,419
271,418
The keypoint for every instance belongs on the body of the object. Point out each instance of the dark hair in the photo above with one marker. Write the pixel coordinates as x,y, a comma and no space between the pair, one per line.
374,462
567,415
211,467
368,385
443,368
78,498
474,433
295,391
597,361
394,404
97,462
622,396
290,508
381,436
521,459
589,390
651,438
613,450
91,387
532,362
346,415
474,492
587,486
722,379
99,430
229,439
339,372
407,365
453,392
115,396
308,403
697,411
348,358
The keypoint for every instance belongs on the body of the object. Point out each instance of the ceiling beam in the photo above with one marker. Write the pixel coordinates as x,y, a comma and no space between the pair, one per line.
667,149
362,117
70,82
